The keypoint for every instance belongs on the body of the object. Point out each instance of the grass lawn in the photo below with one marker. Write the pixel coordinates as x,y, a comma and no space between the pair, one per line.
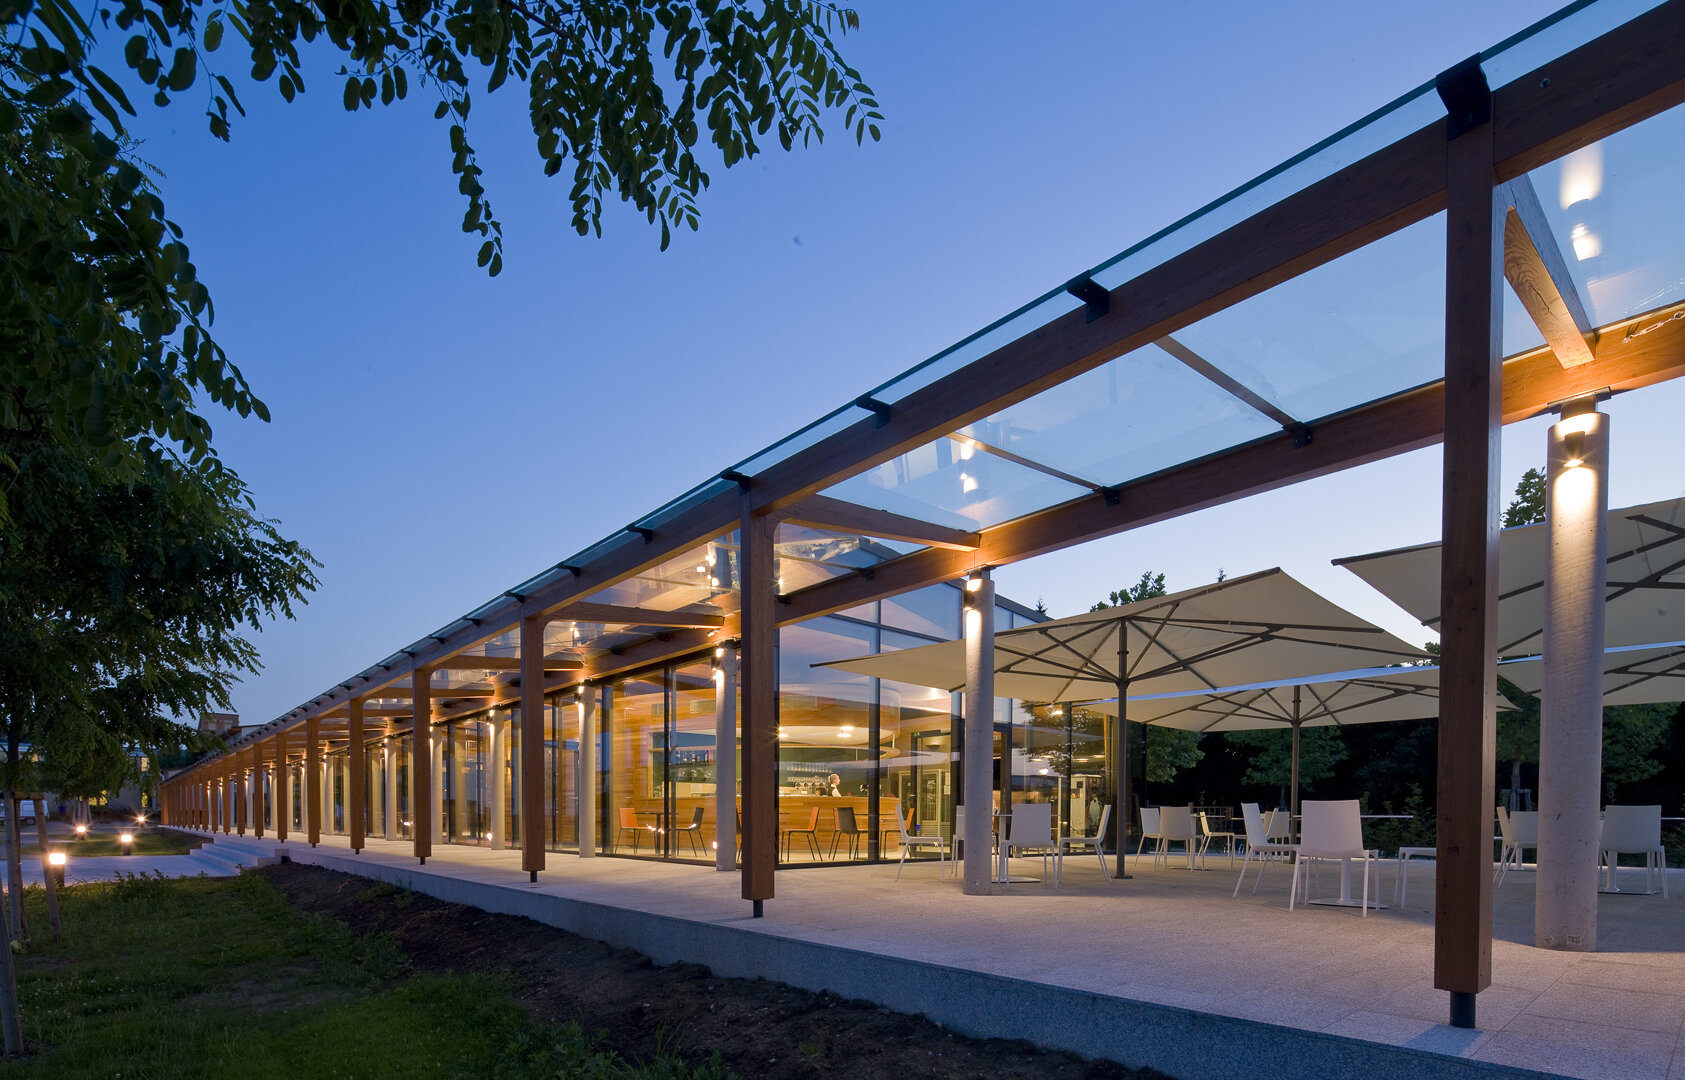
96,844
202,977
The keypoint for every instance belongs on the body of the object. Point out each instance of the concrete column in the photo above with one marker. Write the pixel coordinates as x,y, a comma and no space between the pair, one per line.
436,765
725,758
311,807
498,766
356,771
389,760
327,792
1571,721
587,784
979,732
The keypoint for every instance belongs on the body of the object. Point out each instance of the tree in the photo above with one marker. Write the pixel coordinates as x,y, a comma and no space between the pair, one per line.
1270,762
1528,506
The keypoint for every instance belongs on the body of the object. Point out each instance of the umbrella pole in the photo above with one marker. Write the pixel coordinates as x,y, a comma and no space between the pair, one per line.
1120,755
1293,807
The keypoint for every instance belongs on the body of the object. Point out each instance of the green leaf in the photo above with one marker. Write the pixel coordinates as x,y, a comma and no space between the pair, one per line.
213,33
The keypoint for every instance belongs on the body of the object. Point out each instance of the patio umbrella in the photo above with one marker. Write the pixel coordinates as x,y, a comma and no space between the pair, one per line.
1230,633
1646,579
1632,675
1368,696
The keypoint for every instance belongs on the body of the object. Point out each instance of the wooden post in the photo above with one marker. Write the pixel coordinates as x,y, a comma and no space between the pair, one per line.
313,781
532,746
421,764
357,767
760,704
1469,572
283,788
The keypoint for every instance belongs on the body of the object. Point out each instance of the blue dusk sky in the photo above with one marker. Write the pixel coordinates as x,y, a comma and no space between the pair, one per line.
439,436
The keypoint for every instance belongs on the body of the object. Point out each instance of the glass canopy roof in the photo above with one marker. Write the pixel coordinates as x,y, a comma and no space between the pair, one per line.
1359,329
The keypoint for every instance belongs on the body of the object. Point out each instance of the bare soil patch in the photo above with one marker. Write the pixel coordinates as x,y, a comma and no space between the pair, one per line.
761,1030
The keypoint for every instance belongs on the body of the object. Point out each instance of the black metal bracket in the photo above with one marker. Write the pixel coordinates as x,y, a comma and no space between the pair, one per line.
570,568
515,596
1467,97
740,479
647,534
880,408
1113,495
1301,434
1089,291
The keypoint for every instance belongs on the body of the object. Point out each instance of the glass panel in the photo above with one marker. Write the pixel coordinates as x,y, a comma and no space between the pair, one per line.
639,735
807,556
799,440
1555,35
1140,413
691,763
824,744
561,771
1037,313
1615,211
700,577
950,482
1369,324
933,611
696,496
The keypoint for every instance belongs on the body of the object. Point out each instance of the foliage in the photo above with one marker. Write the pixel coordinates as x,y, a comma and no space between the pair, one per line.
1632,737
127,602
1270,763
1416,829
1149,586
619,93
1169,751
1528,506
156,974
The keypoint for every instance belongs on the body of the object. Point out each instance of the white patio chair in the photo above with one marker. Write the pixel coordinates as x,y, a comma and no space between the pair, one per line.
1258,845
1634,830
1519,829
1149,831
1097,842
1030,829
911,840
1280,825
1176,826
1207,834
1331,830
1407,855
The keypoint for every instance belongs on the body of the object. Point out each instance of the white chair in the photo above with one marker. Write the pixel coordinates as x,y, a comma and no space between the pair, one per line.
1406,855
1519,829
1097,842
1149,831
1258,845
1206,835
1634,830
1030,829
1331,830
1176,825
911,840
1280,825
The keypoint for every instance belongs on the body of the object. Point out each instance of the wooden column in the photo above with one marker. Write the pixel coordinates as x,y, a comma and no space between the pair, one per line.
1469,571
257,790
313,781
354,822
532,745
760,704
421,765
237,775
283,788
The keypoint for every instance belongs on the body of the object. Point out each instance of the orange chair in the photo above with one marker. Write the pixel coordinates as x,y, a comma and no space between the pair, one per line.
810,830
629,823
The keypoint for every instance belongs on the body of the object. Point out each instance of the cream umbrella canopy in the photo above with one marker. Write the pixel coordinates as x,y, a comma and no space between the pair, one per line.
1646,579
1230,633
1632,675
1369,696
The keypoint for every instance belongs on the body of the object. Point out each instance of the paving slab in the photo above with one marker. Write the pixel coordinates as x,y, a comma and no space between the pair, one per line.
1167,968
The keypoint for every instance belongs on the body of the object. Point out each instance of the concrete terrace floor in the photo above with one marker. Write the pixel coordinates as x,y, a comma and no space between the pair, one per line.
1168,952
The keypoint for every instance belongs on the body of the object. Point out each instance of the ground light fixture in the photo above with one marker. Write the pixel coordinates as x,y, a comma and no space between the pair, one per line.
55,866
128,842
81,832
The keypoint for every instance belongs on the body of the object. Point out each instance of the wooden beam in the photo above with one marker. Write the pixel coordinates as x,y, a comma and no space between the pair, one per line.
356,766
824,512
502,663
421,764
531,809
1633,353
760,703
1474,247
313,781
584,611
1536,270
